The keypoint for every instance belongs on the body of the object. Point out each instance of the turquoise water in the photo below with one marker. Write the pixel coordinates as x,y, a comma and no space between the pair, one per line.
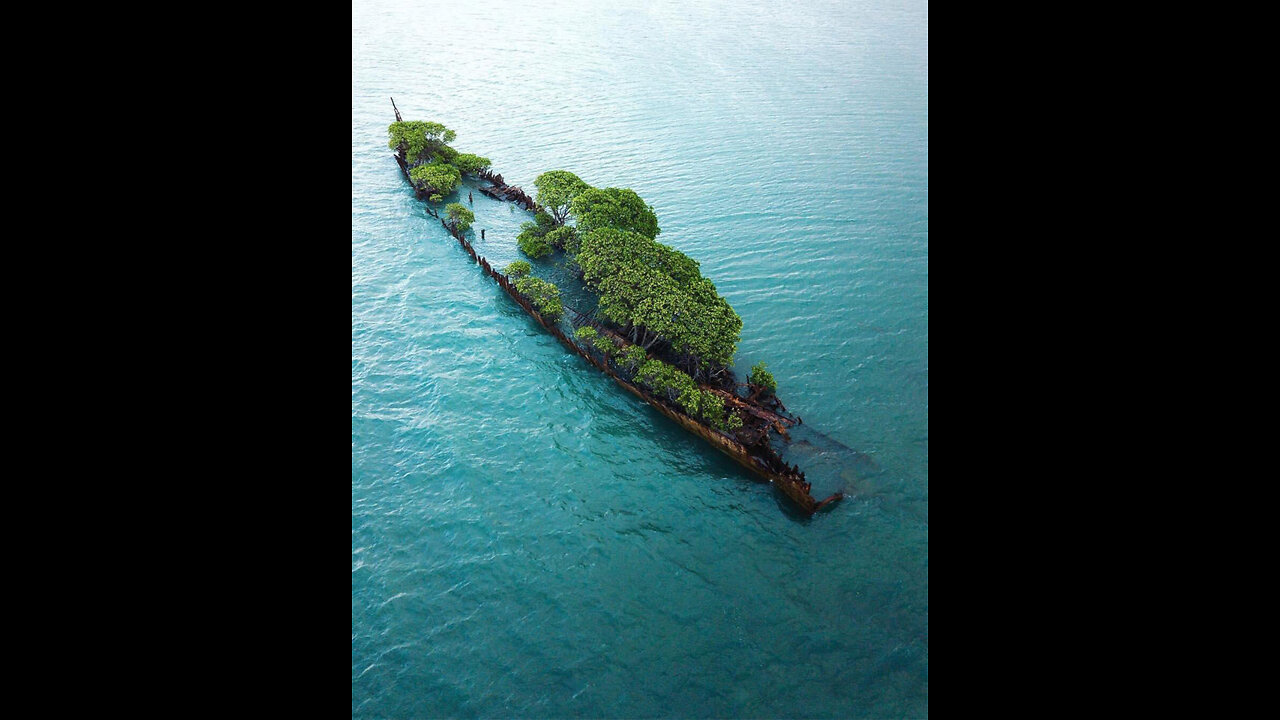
528,540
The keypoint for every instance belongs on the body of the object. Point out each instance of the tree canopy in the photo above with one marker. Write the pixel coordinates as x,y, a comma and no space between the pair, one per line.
436,178
534,246
606,345
678,388
470,164
418,137
657,293
565,238
591,338
762,378
556,190
617,208
533,237
444,154
435,168
459,216
632,358
544,296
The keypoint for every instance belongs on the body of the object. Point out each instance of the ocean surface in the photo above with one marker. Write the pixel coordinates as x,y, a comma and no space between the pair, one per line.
530,541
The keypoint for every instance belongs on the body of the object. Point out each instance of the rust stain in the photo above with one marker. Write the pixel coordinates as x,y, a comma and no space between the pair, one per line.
789,479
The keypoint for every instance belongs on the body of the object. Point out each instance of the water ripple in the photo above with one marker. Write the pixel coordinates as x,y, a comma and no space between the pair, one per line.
528,540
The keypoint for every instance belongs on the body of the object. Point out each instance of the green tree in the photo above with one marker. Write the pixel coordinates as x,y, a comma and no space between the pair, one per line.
618,208
534,246
565,238
657,293
606,345
470,164
518,269
418,138
459,216
762,378
445,154
671,383
633,357
591,338
544,296
533,236
607,250
544,222
556,190
666,381
436,178
711,409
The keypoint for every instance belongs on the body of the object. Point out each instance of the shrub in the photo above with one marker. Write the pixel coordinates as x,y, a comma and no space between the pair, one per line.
534,246
518,269
459,216
544,296
606,345
437,178
760,377
565,238
470,164
446,154
419,137
633,357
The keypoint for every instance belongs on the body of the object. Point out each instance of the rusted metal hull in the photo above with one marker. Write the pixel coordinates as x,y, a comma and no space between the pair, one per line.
502,191
787,479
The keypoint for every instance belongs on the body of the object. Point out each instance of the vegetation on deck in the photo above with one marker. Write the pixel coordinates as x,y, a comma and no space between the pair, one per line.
434,167
661,329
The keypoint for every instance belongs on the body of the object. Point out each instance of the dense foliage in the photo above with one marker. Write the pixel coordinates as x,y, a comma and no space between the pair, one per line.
459,216
617,208
565,238
591,338
544,296
470,164
606,345
556,190
436,178
535,246
419,138
762,378
518,269
655,293
445,154
658,293
632,358
533,236
677,387
664,380
435,168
